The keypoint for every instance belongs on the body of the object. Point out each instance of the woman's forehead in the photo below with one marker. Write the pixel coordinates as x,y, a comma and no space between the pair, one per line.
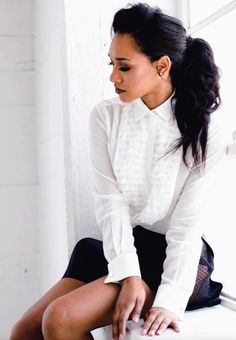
123,46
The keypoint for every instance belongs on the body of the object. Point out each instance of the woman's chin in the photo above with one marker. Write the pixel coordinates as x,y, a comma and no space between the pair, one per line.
125,98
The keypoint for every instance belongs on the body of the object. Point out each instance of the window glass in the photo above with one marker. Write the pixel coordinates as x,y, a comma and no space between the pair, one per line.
201,9
220,34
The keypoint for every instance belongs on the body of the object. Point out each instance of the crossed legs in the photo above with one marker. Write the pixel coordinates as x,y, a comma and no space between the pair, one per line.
70,310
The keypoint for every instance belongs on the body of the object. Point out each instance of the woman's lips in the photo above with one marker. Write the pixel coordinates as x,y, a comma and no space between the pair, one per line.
119,90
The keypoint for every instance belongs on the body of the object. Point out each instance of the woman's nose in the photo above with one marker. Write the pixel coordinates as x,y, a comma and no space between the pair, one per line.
115,76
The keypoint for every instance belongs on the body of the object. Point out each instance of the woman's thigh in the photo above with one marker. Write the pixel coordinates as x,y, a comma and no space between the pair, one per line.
29,326
86,308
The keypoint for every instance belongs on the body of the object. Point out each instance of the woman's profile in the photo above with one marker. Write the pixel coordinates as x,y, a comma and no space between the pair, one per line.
153,148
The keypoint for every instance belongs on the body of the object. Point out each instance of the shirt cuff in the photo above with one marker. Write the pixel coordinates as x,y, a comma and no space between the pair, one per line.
174,299
122,266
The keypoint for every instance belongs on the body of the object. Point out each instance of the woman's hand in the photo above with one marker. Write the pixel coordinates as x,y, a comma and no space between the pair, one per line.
129,305
157,320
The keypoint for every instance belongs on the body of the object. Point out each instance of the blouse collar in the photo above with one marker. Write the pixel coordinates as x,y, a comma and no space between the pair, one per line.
138,109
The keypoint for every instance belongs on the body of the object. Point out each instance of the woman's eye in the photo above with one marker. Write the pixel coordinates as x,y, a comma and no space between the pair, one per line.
124,68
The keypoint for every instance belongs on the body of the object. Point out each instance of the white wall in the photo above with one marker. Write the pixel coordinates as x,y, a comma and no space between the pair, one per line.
19,280
34,202
52,133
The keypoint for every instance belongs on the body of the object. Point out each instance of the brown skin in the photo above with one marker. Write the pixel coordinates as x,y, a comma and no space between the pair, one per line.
71,309
142,79
129,305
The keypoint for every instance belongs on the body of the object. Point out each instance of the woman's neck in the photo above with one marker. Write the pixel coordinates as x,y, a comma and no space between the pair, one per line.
158,97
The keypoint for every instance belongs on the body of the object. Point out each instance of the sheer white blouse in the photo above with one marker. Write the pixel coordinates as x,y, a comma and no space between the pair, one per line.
136,181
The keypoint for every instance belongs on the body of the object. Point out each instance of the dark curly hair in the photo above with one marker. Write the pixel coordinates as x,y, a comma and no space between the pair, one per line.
194,73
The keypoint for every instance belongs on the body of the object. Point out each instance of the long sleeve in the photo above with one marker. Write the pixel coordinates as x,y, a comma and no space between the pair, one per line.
111,211
184,233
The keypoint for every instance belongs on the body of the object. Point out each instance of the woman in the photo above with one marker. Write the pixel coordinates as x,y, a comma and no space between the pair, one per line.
152,152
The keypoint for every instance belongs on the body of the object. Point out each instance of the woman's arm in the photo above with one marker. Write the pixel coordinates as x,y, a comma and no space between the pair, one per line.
112,212
184,244
184,233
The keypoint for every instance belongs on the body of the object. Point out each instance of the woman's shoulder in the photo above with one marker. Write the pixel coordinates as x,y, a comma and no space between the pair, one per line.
108,105
106,113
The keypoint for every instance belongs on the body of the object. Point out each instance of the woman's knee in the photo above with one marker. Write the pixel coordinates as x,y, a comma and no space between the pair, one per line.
58,321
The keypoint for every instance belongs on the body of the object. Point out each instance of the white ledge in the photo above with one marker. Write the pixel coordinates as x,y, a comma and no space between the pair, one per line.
216,323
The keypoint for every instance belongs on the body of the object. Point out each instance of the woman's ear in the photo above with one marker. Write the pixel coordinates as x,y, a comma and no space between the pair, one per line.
163,66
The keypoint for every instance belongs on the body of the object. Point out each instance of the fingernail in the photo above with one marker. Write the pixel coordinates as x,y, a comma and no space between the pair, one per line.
143,331
151,333
135,318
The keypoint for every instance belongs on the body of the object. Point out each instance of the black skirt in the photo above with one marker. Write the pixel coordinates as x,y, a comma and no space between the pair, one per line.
87,263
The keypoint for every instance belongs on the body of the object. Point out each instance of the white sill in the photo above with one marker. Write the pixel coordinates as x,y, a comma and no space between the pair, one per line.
216,323
228,301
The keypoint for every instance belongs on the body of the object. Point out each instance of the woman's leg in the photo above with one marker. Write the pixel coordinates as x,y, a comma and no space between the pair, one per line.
74,315
30,325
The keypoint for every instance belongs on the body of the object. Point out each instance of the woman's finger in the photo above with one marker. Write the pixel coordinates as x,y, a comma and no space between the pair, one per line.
148,323
121,316
165,324
158,319
115,328
160,327
175,326
135,315
124,316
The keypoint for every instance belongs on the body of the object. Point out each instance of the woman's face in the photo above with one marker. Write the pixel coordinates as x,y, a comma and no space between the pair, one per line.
133,75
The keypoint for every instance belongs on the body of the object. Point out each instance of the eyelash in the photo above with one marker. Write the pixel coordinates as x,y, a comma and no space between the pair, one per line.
122,68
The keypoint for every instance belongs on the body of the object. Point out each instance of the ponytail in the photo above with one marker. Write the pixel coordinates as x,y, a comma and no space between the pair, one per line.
196,82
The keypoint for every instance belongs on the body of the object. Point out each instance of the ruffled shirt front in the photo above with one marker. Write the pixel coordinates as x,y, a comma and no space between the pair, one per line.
139,179
144,167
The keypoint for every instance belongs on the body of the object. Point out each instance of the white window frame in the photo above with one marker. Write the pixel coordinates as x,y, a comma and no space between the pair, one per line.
192,29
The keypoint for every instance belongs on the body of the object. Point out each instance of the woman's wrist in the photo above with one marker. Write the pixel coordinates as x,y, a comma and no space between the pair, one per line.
130,279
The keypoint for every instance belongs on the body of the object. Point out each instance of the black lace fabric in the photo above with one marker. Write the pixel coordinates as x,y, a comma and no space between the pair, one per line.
206,291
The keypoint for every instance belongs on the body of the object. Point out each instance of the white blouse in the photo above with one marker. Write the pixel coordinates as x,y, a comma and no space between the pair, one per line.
136,181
